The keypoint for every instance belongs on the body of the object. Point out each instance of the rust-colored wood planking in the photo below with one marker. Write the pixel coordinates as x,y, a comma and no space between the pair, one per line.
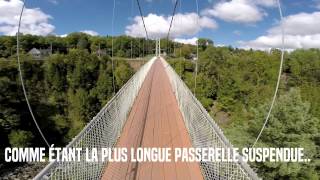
154,121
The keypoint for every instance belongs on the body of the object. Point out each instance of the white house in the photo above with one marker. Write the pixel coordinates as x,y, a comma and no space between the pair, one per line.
39,53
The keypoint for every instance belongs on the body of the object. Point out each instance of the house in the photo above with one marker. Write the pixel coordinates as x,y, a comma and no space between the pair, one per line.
35,53
101,52
39,53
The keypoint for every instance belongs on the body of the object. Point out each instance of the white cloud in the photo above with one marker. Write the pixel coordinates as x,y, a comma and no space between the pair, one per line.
266,3
239,11
192,41
221,45
291,42
300,24
302,31
63,35
90,32
158,25
34,21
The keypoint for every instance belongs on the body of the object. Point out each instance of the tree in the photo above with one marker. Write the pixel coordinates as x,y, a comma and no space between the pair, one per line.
7,46
83,43
78,110
103,89
28,42
120,53
186,51
203,43
56,72
77,40
290,125
20,138
122,73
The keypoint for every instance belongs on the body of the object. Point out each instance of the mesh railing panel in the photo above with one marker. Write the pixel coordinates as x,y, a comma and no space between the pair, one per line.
204,132
101,132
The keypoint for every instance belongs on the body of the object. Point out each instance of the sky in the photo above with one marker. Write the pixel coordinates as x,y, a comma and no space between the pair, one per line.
239,23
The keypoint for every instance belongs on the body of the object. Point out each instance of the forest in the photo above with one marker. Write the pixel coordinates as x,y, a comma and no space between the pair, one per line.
236,87
69,86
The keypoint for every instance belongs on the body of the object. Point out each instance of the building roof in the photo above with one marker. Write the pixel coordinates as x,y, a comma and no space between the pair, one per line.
34,51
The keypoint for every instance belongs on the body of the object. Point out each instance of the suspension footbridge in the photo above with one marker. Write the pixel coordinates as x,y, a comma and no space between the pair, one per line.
153,109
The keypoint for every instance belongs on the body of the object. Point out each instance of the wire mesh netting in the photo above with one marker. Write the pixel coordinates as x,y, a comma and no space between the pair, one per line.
105,128
101,132
205,133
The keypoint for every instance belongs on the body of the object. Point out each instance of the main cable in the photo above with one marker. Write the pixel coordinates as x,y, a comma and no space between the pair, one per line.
279,75
171,22
180,10
196,68
144,25
21,77
141,14
131,37
112,46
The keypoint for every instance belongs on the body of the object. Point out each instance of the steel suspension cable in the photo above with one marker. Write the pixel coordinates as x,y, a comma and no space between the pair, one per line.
171,22
279,74
141,15
21,78
197,58
131,37
112,46
144,25
180,10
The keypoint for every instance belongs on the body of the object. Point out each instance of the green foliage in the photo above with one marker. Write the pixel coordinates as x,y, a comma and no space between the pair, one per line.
7,46
203,43
56,71
240,85
65,92
122,73
184,51
79,110
205,90
72,85
123,46
121,53
290,125
20,138
104,88
76,39
8,119
304,65
83,43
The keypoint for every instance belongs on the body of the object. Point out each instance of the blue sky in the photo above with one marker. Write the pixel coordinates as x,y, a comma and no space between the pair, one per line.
241,26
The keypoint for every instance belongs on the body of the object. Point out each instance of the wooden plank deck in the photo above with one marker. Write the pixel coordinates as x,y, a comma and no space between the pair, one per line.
154,121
